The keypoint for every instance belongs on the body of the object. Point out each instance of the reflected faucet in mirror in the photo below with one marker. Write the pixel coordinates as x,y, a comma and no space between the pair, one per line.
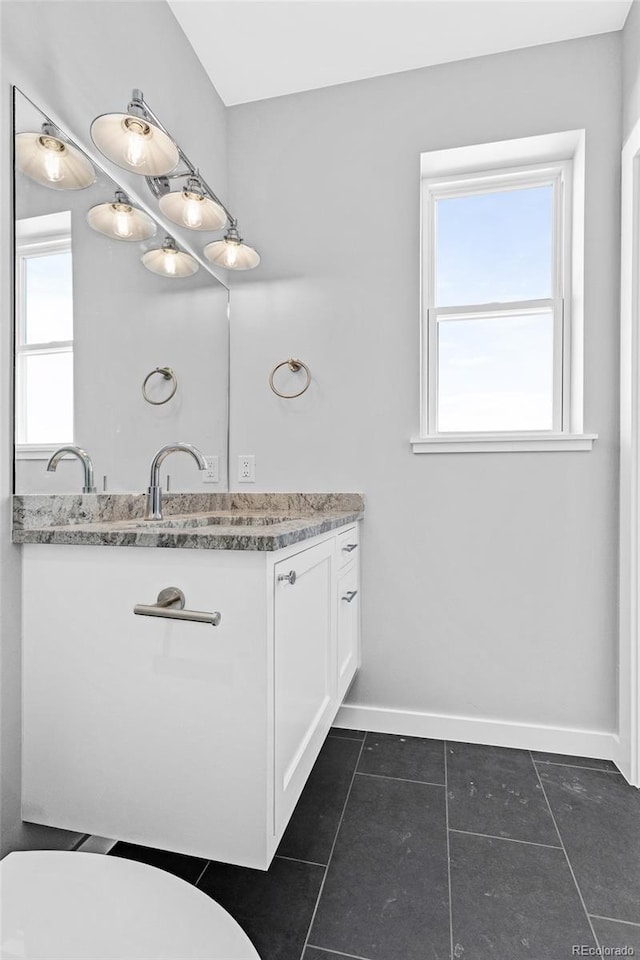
154,493
84,458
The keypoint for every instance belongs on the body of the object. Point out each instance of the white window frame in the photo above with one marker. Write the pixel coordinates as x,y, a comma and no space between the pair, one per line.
28,249
472,171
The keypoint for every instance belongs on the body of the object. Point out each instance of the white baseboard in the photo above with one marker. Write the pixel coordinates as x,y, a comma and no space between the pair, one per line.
95,844
498,733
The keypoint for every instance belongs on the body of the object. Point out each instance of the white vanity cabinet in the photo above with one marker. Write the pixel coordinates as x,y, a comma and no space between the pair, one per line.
178,734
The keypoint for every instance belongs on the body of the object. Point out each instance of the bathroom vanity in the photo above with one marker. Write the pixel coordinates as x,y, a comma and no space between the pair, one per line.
176,733
189,723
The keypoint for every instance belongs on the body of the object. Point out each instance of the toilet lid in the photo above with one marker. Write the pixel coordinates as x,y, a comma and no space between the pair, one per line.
58,905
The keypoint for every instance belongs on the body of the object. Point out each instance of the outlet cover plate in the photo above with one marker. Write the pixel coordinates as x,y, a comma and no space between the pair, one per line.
246,468
212,473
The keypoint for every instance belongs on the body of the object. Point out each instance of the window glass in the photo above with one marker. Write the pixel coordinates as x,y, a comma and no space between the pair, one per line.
48,393
48,314
496,373
494,247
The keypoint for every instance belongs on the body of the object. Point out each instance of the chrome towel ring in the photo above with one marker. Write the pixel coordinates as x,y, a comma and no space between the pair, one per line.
294,365
167,374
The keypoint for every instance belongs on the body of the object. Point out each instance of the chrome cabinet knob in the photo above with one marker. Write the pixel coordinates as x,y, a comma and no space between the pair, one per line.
290,577
349,595
348,547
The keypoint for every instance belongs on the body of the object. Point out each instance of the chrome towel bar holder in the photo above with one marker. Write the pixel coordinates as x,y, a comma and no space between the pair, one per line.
167,374
294,365
170,604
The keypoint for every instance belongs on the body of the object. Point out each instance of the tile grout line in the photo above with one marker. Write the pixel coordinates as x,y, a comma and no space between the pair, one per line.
492,836
351,956
334,736
564,850
311,863
575,766
333,846
382,776
446,823
629,923
202,873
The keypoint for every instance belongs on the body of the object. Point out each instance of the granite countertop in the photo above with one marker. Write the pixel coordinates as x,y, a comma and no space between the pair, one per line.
192,521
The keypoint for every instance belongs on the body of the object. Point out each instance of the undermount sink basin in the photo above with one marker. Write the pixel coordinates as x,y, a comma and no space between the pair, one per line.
212,519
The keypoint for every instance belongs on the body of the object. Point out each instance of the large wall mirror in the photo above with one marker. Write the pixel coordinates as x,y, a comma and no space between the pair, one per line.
92,323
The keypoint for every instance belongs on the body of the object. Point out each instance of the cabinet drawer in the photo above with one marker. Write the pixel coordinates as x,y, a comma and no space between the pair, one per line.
348,546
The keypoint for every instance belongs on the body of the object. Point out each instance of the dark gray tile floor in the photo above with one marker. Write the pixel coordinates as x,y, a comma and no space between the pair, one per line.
402,848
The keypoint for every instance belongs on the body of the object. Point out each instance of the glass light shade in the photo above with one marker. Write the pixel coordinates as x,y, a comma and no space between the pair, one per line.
135,143
168,261
120,220
52,162
192,209
232,254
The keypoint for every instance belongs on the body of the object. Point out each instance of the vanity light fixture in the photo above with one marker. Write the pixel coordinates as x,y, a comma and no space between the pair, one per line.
168,261
124,138
134,141
51,161
192,208
120,220
232,252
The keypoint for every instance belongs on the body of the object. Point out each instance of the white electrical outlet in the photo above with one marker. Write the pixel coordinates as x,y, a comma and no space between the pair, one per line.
246,468
211,474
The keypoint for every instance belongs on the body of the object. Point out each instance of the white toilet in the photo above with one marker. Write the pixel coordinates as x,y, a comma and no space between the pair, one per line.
58,905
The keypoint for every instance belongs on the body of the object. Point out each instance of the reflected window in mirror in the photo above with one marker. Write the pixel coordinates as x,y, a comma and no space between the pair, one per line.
44,333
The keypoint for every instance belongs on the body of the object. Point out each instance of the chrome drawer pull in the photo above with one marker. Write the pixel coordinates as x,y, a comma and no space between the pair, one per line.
349,547
170,604
291,576
349,595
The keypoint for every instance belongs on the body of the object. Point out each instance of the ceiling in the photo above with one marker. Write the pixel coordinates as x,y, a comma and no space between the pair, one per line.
254,49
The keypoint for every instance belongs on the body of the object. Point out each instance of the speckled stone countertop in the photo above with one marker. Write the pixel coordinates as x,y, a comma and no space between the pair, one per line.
218,521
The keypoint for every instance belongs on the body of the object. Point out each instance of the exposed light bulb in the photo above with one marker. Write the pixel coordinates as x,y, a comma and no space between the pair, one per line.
122,224
170,261
53,155
134,152
192,215
138,135
231,254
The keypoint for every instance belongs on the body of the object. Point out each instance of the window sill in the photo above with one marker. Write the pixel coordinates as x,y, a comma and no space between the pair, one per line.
504,443
39,451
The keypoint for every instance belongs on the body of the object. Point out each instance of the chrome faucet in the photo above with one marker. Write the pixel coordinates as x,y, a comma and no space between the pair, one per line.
85,459
154,493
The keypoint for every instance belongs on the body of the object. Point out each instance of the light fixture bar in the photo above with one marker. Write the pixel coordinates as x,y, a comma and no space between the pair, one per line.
138,103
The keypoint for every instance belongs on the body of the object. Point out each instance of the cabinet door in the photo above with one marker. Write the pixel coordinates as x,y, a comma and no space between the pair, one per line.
141,728
348,627
304,669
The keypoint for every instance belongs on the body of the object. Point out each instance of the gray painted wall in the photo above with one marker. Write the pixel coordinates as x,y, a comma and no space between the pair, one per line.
82,60
489,583
631,70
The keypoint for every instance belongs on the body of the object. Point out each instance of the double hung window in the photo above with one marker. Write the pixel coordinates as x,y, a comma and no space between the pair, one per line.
497,303
44,339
